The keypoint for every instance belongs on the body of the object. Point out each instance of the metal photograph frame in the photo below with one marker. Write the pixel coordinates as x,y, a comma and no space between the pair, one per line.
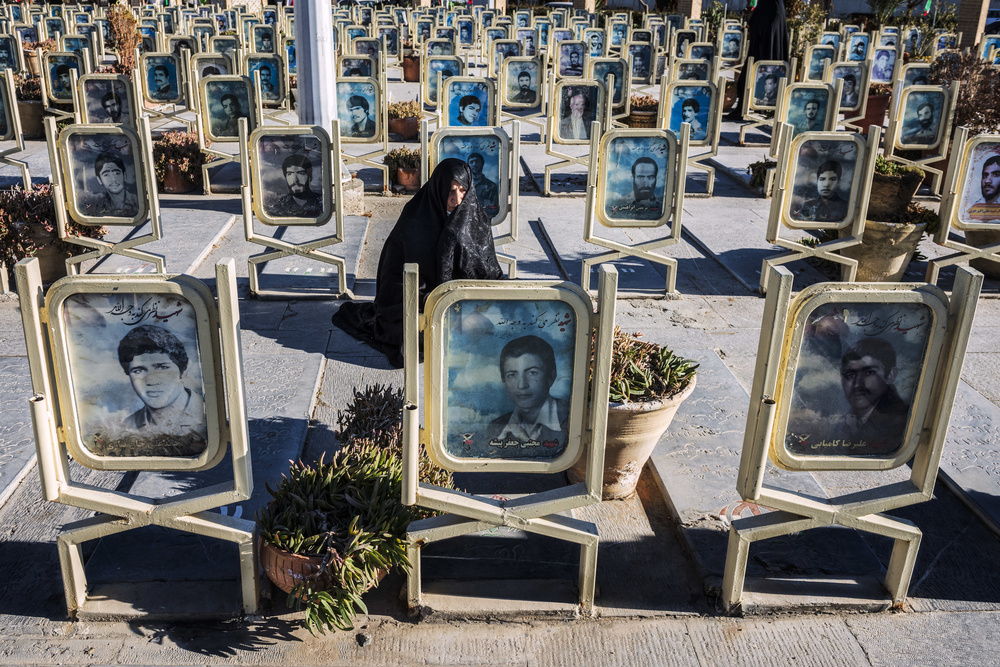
831,149
110,156
150,65
563,111
621,152
493,145
297,159
218,124
107,93
462,88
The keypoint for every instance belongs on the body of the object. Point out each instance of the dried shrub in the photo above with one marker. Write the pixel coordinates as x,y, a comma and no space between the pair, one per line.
22,209
978,105
124,34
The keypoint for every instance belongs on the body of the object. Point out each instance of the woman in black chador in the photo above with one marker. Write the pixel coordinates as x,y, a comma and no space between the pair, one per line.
442,229
767,39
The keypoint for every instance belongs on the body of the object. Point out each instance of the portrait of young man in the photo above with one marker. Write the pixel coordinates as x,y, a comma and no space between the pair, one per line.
885,62
767,90
528,371
731,48
155,362
922,129
827,205
115,199
596,45
268,89
572,63
265,41
487,192
300,201
689,114
987,207
111,103
641,203
361,123
809,120
62,82
469,107
229,124
849,95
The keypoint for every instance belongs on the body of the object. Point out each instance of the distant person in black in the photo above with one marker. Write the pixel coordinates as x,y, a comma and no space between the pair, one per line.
767,39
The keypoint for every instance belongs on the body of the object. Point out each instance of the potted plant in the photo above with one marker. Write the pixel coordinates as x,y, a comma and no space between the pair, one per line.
125,35
177,161
31,60
28,229
410,63
642,111
404,119
28,90
758,175
404,167
333,530
648,384
894,224
879,95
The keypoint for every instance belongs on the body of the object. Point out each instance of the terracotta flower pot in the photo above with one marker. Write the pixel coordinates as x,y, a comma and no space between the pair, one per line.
892,194
31,62
633,431
885,251
875,112
177,182
408,179
31,113
51,259
406,128
411,68
641,118
287,570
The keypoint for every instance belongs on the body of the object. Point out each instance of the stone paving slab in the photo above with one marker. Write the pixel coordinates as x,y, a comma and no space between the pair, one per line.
17,440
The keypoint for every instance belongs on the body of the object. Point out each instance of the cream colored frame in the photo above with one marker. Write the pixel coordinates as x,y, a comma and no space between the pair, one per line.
675,67
120,512
802,306
732,61
438,303
506,161
70,166
595,131
851,122
753,113
650,66
536,513
676,206
828,62
784,178
712,132
130,95
205,121
277,64
557,56
444,99
425,92
599,109
46,77
896,130
669,177
325,171
863,510
491,63
784,100
948,117
540,80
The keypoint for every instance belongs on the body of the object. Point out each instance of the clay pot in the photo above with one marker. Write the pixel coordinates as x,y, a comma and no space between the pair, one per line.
981,238
287,570
875,112
31,62
892,194
177,182
885,251
411,68
641,119
31,113
51,259
633,431
406,128
408,179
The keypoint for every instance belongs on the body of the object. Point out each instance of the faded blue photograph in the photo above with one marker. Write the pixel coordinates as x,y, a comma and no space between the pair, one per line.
357,109
467,104
693,105
161,78
483,153
635,178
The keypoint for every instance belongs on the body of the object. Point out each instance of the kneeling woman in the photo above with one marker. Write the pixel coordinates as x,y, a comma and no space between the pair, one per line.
443,230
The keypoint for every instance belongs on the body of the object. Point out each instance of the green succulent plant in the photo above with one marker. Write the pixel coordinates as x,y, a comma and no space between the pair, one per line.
643,371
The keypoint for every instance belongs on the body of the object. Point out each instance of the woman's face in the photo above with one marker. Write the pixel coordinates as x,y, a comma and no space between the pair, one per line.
455,195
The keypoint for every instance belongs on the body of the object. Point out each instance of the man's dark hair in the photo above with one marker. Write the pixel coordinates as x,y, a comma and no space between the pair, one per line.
995,160
231,96
524,73
357,101
529,345
105,158
771,77
296,160
161,68
690,102
830,165
928,105
478,155
211,70
109,96
876,348
469,99
811,100
150,339
62,69
645,160
851,78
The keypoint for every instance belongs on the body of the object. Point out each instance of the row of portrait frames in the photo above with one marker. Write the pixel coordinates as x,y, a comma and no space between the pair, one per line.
292,176
138,368
487,151
224,101
636,178
468,101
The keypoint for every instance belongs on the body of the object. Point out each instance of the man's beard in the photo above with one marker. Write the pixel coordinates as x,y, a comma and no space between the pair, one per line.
990,192
297,188
643,193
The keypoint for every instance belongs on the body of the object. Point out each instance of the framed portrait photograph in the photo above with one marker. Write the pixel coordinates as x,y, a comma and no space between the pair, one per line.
683,38
887,38
6,116
544,28
107,98
700,50
353,65
272,77
528,39
921,113
522,19
823,182
857,47
353,32
856,379
223,44
292,176
446,33
817,57
732,45
988,43
602,68
766,74
635,178
224,100
54,26
28,33
510,368
422,30
916,74
161,82
466,31
807,107
641,35
560,35
148,42
469,102
570,58
75,44
503,49
595,40
447,66
912,41
177,43
290,56
618,32
9,53
487,151
440,47
358,108
687,69
262,39
57,67
136,371
248,23
104,179
692,104
830,39
210,64
884,66
524,79
577,104
855,82
979,187
390,39
641,54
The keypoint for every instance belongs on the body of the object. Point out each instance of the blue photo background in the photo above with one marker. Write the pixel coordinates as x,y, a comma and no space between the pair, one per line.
702,95
461,89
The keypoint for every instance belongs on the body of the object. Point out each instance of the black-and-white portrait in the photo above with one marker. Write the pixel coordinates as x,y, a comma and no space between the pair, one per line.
765,89
850,97
641,55
177,44
104,181
447,66
607,67
292,181
272,82
916,74
136,365
570,59
857,47
824,175
528,39
263,39
391,39
510,370
619,33
226,102
503,49
732,44
856,376
980,189
635,180
358,110
440,47
8,49
884,65
210,64
162,82
107,100
922,121
578,108
356,66
223,44
522,88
